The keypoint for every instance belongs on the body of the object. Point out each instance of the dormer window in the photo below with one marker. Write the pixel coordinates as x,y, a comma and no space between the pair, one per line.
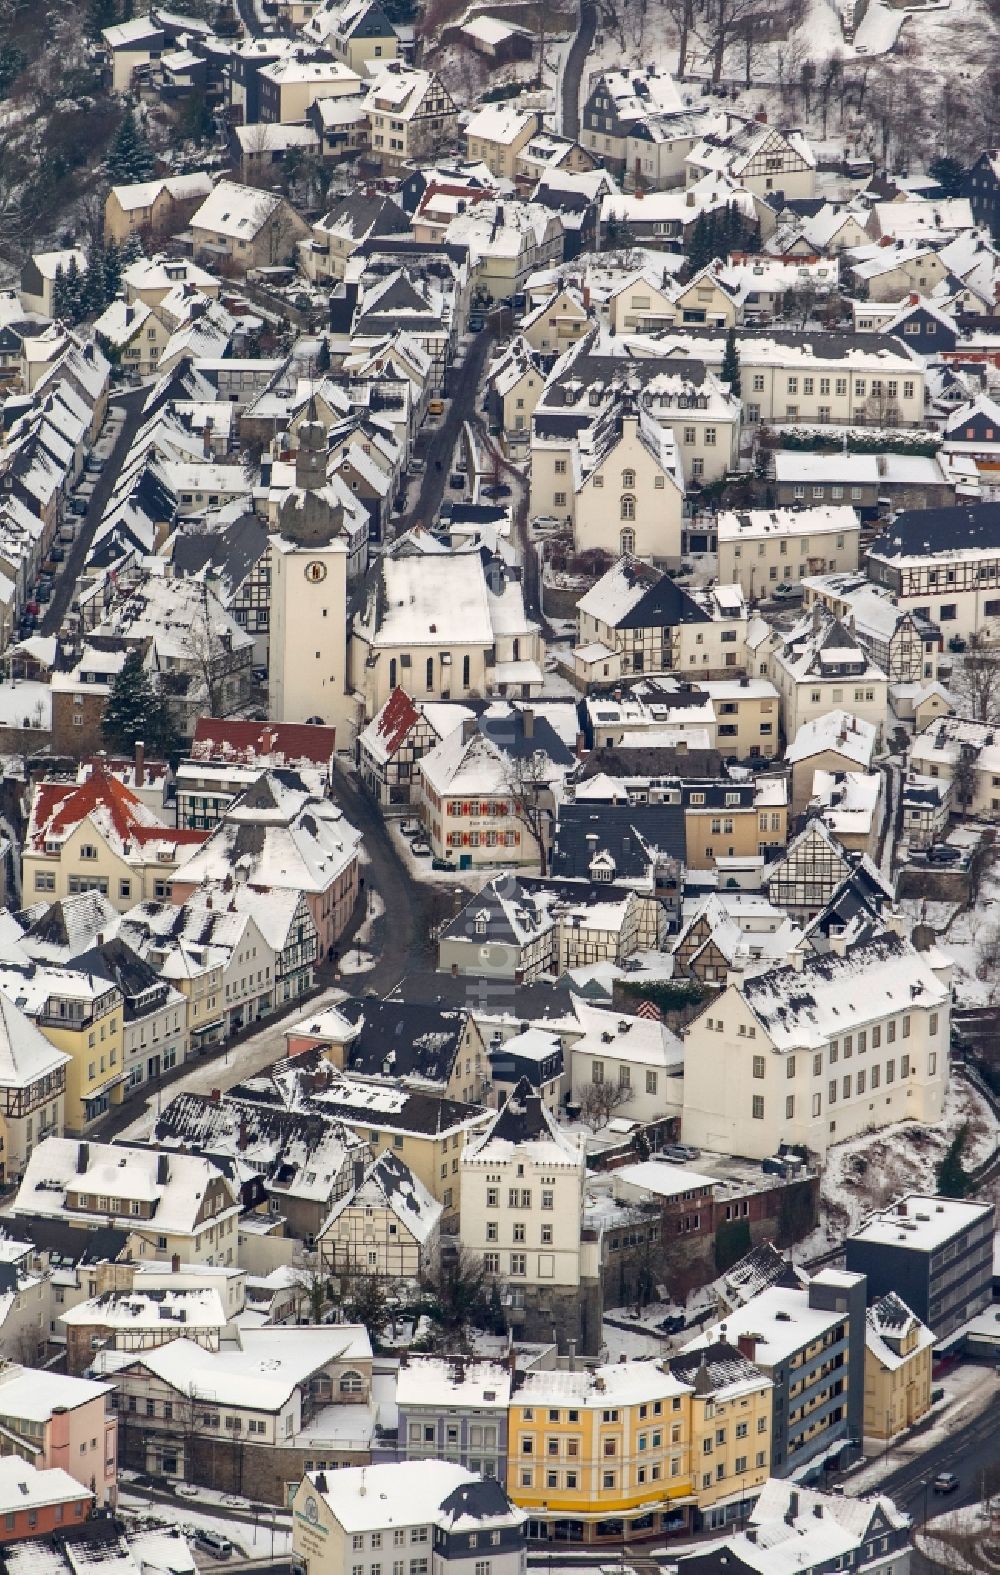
88,851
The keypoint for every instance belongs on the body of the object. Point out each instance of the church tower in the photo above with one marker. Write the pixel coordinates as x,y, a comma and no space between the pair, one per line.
307,646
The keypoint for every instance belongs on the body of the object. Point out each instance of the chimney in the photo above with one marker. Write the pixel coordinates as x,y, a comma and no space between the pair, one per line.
901,1209
162,1170
206,438
82,1158
216,1096
140,762
746,1345
359,1172
793,1503
528,716
175,1263
243,1135
571,1347
468,729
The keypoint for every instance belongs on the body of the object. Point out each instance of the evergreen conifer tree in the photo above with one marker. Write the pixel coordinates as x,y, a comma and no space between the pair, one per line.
131,157
93,285
731,363
131,248
112,271
61,298
74,285
135,710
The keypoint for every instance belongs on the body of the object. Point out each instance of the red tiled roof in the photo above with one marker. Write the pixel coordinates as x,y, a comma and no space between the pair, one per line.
248,742
60,806
396,718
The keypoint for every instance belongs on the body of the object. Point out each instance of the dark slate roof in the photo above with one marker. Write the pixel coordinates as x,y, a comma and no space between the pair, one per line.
526,1002
106,1244
631,833
589,368
915,532
507,732
713,1366
523,1117
117,961
403,1039
651,761
215,1127
483,1499
363,214
231,554
487,904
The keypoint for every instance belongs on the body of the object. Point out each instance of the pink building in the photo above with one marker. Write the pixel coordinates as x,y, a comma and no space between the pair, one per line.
56,1421
36,1503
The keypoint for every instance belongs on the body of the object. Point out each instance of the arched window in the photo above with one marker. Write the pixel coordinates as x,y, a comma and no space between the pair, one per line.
352,1384
628,478
628,505
628,541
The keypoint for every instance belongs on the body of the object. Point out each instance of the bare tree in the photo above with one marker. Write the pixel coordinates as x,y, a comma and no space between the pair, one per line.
526,780
976,681
729,22
599,1101
682,14
310,1285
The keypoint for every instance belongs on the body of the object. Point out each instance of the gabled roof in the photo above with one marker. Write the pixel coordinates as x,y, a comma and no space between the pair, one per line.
525,1123
635,595
390,1183
113,809
401,1040
291,744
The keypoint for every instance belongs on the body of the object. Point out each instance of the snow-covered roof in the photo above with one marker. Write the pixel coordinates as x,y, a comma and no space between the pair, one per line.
756,524
239,212
779,1320
921,1222
803,1008
24,1487
415,1493
389,1183
262,1373
839,731
453,1382
175,1188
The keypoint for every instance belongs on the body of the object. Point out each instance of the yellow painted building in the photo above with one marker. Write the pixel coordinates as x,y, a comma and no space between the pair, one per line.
898,1352
82,1015
637,1449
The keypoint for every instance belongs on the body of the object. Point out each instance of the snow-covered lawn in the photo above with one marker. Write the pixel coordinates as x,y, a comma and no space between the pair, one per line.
867,1172
207,1512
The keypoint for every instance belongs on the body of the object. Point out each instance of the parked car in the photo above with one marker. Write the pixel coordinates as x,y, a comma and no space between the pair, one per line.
677,1153
456,481
78,505
674,1324
943,853
945,1482
215,1543
499,489
442,864
420,848
545,522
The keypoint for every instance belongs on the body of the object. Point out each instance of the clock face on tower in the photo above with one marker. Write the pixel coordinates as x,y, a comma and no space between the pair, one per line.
315,572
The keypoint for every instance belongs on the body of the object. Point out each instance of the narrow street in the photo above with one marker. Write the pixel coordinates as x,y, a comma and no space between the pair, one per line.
132,402
438,445
573,72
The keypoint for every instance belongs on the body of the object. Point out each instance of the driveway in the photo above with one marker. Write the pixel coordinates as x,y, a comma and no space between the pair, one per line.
132,402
